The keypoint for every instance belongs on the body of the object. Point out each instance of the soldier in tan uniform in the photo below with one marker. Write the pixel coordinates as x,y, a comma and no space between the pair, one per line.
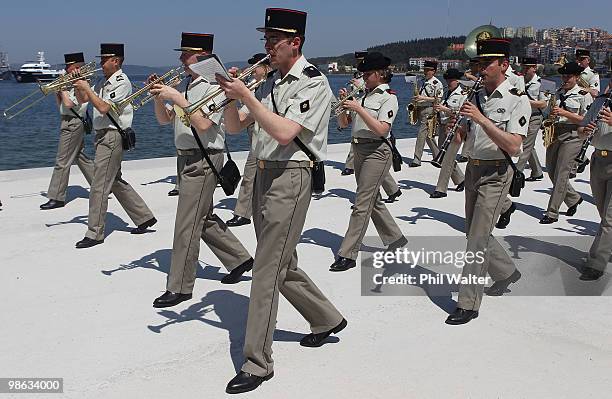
500,118
371,119
471,74
244,204
109,150
194,212
572,103
430,90
295,104
599,117
71,147
451,102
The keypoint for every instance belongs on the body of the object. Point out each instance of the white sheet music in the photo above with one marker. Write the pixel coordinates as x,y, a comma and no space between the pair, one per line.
209,65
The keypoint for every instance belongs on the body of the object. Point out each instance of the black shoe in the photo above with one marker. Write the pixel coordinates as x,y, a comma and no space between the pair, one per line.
582,166
347,171
142,228
400,242
88,242
316,340
393,197
571,211
437,194
462,159
352,206
460,187
234,276
499,287
342,264
238,221
461,316
590,274
173,193
168,299
414,165
534,178
548,220
504,218
245,382
52,204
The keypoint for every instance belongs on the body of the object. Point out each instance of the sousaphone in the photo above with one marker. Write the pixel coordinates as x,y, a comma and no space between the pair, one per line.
480,33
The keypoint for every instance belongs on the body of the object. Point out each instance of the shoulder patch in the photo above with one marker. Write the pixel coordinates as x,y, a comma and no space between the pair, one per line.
522,121
112,95
435,81
304,106
583,92
390,91
515,91
311,71
119,78
390,113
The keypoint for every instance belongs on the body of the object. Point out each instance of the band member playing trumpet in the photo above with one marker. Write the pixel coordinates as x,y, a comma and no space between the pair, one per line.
294,104
109,150
71,142
572,105
194,212
599,119
499,116
429,92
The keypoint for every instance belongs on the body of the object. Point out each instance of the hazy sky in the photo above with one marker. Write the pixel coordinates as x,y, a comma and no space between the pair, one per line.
151,29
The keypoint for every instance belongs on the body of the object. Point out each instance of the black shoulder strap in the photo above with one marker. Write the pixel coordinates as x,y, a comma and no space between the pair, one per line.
79,116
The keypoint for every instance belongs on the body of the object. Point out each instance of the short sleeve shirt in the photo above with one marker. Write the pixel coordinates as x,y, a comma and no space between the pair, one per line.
382,104
80,109
116,88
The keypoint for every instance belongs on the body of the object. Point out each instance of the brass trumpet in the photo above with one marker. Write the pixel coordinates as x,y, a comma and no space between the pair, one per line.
337,109
185,113
173,80
214,108
62,83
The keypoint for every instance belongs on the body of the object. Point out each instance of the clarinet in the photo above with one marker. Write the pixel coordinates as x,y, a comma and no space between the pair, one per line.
580,158
437,161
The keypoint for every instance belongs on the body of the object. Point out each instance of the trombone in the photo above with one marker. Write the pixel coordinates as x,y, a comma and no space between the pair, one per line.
185,113
61,83
214,108
173,80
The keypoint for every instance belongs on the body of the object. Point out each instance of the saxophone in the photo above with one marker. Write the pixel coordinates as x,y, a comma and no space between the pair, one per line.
549,123
413,116
433,119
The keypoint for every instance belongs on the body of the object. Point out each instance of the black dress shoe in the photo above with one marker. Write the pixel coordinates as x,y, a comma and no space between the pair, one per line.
52,204
88,242
504,218
234,276
168,299
245,382
460,187
571,211
393,197
173,193
142,228
534,178
437,194
342,264
399,243
462,159
316,340
347,171
582,166
590,274
548,220
414,165
461,316
499,287
238,221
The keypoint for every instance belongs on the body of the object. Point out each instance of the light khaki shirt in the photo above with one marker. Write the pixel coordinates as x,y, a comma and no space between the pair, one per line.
303,95
516,80
510,112
591,77
80,109
113,90
533,92
379,103
431,88
454,101
577,101
603,137
214,136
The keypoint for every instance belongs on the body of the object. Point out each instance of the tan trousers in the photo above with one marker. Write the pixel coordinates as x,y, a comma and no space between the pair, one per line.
107,179
372,162
195,220
601,185
280,202
389,185
486,186
449,168
244,203
180,164
529,154
70,149
423,138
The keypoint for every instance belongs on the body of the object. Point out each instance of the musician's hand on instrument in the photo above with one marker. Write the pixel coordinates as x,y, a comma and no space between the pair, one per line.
233,72
342,93
235,89
151,78
558,111
81,85
472,112
418,97
588,129
164,92
351,105
606,116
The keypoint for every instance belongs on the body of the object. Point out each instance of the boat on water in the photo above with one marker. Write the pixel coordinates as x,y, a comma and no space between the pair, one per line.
38,71
5,68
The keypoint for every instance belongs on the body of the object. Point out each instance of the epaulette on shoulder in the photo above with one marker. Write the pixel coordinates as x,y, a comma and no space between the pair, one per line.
390,91
271,73
435,81
311,71
119,78
515,91
583,92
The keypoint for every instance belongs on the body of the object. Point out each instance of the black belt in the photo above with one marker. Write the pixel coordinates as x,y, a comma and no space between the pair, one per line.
196,151
488,162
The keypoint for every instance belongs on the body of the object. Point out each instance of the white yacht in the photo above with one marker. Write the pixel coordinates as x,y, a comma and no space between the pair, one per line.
38,71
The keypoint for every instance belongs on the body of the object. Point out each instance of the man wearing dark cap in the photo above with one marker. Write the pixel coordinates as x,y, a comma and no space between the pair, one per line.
430,92
244,204
194,212
295,107
71,144
109,150
572,103
451,102
589,79
500,119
